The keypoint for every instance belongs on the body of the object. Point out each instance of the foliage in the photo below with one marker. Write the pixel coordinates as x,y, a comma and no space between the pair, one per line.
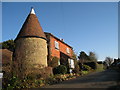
11,83
108,61
74,56
15,83
9,44
76,69
84,72
92,56
92,64
54,62
86,68
60,77
61,69
33,76
83,57
99,67
89,60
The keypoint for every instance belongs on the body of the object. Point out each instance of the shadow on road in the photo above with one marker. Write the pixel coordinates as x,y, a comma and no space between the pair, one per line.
117,87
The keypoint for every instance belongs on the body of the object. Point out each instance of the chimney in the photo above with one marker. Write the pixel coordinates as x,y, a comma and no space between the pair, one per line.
62,40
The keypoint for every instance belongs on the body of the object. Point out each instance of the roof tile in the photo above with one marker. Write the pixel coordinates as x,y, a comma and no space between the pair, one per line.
31,28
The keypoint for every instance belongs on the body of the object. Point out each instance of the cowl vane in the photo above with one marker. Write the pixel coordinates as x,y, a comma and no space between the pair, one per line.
32,11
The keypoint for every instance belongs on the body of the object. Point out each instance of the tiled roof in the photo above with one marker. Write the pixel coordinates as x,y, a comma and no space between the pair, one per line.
31,27
57,39
6,56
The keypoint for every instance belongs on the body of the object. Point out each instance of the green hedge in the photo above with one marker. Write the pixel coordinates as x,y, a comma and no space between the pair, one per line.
86,68
61,69
93,65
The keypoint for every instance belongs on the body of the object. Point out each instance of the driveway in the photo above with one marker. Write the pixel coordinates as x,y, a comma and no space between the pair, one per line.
105,79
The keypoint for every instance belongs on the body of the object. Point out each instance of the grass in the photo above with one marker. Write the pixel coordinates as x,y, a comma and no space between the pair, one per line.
85,72
100,68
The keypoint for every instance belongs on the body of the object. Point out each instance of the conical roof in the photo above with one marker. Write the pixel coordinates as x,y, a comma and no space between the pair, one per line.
31,27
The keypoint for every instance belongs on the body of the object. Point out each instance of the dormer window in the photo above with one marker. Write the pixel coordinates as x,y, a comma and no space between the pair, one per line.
56,45
68,50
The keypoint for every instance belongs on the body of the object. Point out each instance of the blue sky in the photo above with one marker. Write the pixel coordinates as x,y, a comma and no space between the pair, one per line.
86,26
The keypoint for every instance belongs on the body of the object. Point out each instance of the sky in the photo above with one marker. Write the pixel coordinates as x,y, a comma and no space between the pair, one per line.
86,26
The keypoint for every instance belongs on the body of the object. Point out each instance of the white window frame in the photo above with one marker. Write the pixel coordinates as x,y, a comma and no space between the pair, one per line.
68,50
56,45
71,63
58,62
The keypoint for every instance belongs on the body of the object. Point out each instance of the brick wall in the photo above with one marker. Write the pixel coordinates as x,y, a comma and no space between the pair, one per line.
62,48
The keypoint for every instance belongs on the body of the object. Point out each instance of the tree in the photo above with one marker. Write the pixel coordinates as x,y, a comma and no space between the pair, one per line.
9,44
74,57
77,68
89,60
54,62
108,61
92,56
83,57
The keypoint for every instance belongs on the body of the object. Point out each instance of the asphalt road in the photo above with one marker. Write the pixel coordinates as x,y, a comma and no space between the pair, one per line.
105,79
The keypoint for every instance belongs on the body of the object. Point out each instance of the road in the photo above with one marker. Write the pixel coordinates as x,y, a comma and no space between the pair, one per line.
105,79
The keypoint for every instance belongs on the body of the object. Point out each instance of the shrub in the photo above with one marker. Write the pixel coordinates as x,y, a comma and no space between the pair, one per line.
11,83
46,72
84,72
9,44
51,80
61,69
86,68
76,69
54,62
93,65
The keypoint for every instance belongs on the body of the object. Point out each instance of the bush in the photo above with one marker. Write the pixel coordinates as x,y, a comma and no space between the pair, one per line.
93,65
61,69
40,73
11,83
76,69
84,72
86,68
9,44
54,62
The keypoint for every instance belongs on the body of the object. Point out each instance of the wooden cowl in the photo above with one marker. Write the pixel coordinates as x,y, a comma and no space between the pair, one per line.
31,48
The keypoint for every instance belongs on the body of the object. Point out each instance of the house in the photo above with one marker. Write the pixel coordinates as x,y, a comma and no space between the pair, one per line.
35,48
58,48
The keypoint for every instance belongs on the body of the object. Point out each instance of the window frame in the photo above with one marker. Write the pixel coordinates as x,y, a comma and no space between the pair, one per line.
56,45
68,50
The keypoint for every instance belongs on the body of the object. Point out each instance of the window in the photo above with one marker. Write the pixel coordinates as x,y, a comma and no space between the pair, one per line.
67,50
58,62
71,63
56,45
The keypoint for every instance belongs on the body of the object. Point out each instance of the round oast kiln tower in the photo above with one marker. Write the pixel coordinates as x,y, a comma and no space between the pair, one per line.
31,47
